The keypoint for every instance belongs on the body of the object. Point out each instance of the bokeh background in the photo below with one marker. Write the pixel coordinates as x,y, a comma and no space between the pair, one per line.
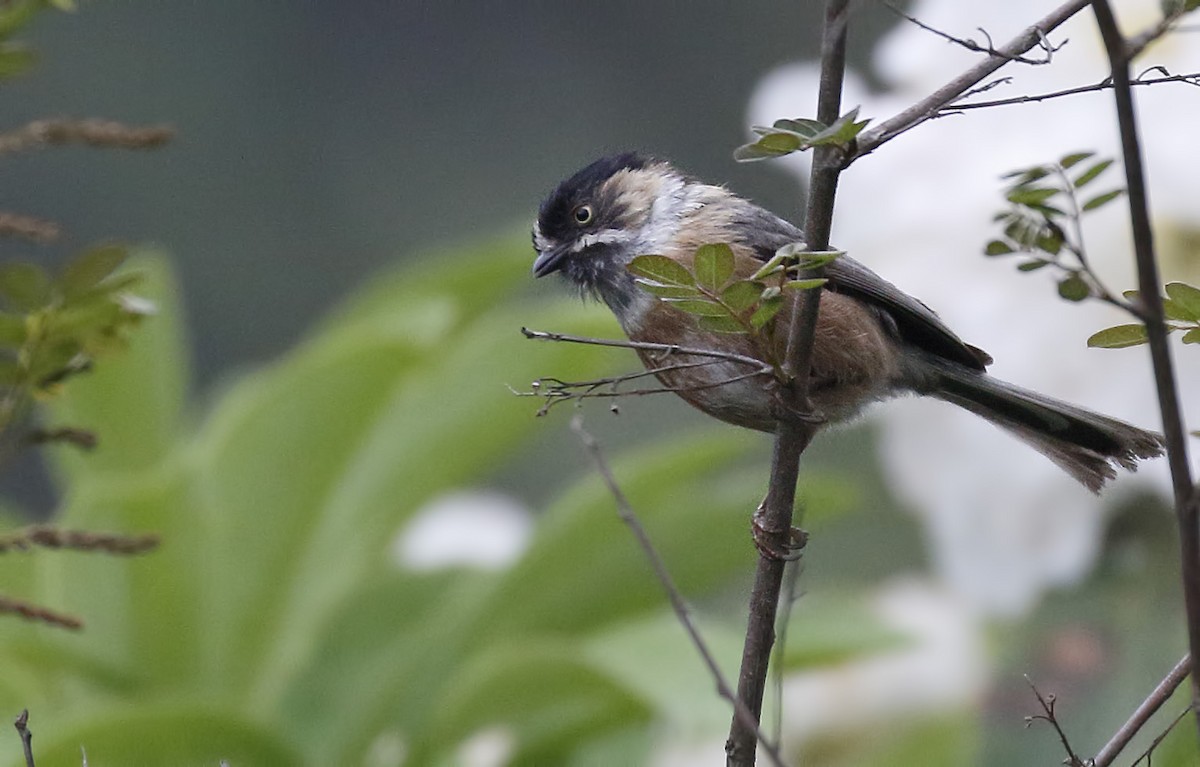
377,555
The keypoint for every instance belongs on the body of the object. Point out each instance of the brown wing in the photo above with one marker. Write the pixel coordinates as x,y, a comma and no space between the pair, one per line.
915,323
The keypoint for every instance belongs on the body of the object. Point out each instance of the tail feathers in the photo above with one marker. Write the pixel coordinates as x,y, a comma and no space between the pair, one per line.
1086,445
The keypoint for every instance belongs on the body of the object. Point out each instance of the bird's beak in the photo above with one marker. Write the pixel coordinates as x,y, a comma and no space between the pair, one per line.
549,262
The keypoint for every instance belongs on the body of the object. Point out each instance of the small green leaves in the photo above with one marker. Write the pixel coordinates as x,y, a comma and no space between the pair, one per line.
1090,174
787,136
1118,337
1181,309
998,248
718,300
86,271
24,286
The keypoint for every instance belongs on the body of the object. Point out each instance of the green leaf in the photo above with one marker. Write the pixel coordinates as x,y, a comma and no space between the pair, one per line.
1032,266
1031,195
1070,160
1118,337
713,265
667,291
1192,336
1091,173
26,286
12,330
1187,297
802,126
1173,311
1027,175
15,59
766,311
662,270
768,146
815,259
843,130
90,268
1074,288
742,294
808,284
998,248
701,307
722,324
1102,199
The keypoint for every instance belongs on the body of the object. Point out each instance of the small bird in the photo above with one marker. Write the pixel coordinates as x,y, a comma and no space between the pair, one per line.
872,341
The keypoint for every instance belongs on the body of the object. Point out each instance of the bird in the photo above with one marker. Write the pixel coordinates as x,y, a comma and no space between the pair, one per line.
872,341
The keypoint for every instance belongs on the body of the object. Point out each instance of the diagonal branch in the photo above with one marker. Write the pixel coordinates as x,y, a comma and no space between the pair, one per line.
1142,713
929,107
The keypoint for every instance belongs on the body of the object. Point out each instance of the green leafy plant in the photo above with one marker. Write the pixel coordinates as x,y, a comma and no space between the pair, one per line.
276,626
1181,307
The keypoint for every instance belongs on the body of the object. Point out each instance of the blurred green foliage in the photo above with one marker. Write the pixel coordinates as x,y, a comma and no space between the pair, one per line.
274,625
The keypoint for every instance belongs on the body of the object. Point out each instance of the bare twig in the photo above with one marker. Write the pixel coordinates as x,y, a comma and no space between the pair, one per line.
105,134
794,434
1159,738
1047,703
975,47
1187,511
678,603
48,537
929,107
542,335
32,612
956,107
22,725
1146,709
29,228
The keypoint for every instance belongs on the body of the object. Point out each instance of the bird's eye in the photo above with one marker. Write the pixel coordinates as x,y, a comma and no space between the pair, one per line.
583,215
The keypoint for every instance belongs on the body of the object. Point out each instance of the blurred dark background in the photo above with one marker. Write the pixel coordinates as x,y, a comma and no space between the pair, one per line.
319,142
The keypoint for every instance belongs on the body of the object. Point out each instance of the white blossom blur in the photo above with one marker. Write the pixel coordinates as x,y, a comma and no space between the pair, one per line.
486,530
1003,522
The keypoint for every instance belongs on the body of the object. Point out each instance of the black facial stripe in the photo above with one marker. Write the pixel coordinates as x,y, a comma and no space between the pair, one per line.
556,216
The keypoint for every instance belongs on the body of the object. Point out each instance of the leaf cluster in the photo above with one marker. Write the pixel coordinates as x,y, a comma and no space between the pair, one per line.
796,135
721,302
55,326
1043,220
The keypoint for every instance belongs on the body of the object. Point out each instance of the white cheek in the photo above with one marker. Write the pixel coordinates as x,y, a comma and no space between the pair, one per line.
603,237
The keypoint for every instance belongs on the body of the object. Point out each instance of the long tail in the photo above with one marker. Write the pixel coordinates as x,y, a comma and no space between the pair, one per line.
1086,445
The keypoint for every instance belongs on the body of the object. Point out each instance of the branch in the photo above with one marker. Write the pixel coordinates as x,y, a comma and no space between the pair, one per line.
955,107
678,603
794,434
929,107
32,612
1142,713
1187,511
35,230
541,335
21,724
76,540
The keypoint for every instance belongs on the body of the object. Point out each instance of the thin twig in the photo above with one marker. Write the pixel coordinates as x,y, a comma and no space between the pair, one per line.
793,435
678,603
48,537
929,107
1047,703
32,612
37,230
542,335
1146,709
104,134
22,725
973,46
955,107
1187,513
